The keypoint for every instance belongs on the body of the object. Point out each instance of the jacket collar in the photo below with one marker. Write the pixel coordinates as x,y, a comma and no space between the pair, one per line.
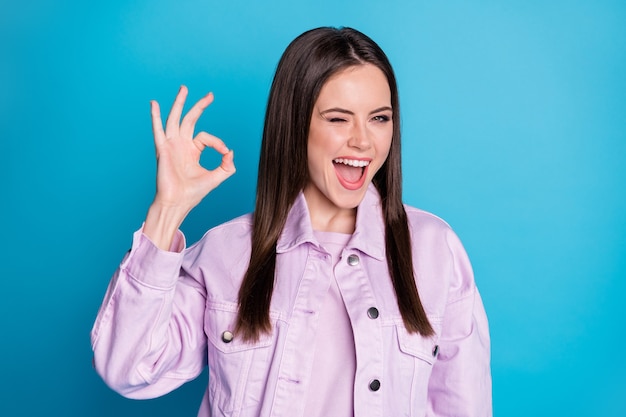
368,236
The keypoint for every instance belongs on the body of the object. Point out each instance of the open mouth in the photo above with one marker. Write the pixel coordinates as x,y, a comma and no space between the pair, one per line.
351,172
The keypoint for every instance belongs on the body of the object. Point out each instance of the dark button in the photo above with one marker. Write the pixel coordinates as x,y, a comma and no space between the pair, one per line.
227,337
372,313
374,385
435,350
353,260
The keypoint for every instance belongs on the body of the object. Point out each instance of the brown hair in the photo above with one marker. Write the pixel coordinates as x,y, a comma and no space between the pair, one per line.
307,63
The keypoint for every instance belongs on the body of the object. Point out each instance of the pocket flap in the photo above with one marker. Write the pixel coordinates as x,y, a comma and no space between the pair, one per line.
424,348
219,326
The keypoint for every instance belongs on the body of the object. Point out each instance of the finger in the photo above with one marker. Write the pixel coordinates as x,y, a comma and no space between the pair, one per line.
173,119
157,124
228,163
221,173
188,124
204,139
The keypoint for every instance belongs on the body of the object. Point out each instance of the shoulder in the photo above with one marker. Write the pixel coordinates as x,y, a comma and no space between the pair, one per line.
425,225
421,220
434,236
227,238
438,248
224,252
237,225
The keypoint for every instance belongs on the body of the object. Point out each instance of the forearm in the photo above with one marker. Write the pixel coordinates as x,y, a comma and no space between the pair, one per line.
145,339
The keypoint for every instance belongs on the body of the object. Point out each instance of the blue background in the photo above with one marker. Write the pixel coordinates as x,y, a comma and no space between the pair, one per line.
514,124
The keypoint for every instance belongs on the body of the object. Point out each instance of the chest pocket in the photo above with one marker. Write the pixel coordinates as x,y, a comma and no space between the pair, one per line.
422,348
238,370
413,358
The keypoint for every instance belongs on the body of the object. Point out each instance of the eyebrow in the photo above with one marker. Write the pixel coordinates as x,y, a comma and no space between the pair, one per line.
345,111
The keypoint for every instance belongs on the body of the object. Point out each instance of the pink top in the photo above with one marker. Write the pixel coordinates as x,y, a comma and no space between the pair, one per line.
168,314
331,390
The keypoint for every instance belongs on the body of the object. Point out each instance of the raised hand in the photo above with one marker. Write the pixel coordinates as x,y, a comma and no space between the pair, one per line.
181,181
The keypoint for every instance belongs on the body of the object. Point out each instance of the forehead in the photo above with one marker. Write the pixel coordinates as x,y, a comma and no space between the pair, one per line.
357,84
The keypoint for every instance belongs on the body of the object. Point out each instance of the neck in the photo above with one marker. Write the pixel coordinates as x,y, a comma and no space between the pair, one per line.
327,217
339,223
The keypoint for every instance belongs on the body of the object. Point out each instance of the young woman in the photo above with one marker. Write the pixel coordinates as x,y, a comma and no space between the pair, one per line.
332,298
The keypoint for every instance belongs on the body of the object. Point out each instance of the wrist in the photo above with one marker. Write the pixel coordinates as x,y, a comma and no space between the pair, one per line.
162,223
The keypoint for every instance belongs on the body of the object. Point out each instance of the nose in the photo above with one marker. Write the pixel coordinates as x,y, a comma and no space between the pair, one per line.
360,137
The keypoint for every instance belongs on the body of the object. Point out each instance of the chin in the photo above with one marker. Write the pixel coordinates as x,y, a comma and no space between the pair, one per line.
352,200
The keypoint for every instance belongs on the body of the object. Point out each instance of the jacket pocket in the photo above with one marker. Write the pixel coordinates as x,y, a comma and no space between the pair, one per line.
220,320
416,358
238,370
418,346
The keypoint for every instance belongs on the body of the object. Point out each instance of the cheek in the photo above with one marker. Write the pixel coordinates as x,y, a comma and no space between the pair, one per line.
383,152
384,146
324,141
387,149
315,161
322,146
315,142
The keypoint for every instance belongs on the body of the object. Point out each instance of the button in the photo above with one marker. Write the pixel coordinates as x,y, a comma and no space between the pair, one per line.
435,350
372,313
353,260
374,385
227,337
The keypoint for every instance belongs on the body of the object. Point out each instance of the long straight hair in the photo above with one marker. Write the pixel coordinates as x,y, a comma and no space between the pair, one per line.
307,63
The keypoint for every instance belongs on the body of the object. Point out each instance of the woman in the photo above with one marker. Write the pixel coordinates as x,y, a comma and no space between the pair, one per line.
309,306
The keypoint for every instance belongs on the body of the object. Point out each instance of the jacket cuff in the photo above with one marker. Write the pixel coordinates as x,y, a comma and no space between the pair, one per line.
153,266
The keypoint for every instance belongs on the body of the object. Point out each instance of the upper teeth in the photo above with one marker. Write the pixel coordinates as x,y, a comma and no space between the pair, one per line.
351,162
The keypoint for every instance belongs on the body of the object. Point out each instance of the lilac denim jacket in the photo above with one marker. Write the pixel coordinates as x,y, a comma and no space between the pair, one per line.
166,315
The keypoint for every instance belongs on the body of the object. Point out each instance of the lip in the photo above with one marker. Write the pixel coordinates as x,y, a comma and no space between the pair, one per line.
353,186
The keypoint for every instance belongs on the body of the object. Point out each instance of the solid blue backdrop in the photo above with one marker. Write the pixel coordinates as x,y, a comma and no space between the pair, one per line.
514,131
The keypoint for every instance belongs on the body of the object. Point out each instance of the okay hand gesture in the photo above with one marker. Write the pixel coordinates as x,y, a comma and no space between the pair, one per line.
181,181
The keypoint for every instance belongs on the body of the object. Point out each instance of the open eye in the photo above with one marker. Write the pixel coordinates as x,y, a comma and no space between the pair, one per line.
382,118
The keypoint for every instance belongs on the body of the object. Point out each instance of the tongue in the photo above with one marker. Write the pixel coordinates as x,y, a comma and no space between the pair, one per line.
348,173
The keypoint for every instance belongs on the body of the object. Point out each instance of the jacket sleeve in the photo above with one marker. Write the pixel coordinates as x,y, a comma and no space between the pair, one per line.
148,337
460,383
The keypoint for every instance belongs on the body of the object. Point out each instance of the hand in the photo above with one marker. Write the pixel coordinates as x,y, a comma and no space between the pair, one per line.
181,181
